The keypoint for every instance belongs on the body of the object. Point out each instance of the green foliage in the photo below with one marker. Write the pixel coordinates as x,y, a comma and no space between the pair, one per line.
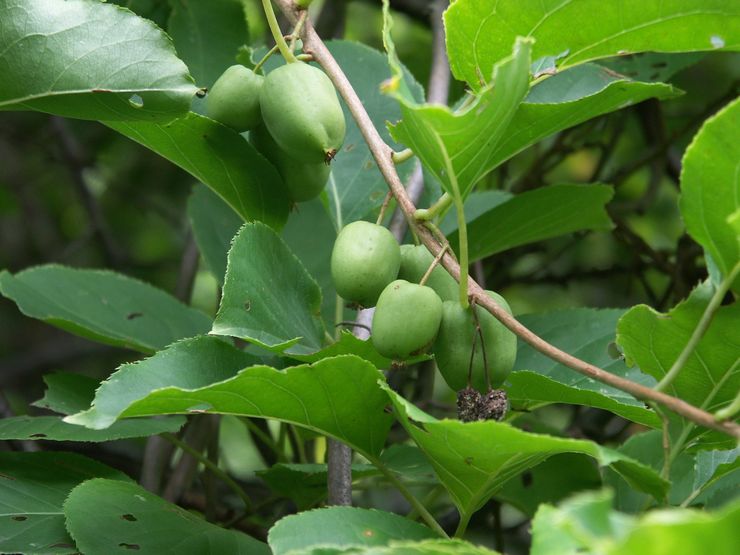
710,190
634,26
342,527
107,515
220,158
560,170
107,64
33,501
103,306
268,296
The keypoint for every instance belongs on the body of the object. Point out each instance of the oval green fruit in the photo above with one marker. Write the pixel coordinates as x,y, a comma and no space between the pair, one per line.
454,342
303,181
406,319
364,260
234,98
415,261
302,112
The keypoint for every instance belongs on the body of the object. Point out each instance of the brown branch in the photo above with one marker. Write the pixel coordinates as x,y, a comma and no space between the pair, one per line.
382,154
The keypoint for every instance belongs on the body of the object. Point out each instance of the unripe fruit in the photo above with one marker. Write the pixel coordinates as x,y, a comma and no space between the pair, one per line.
454,342
303,181
234,98
415,261
302,112
303,4
406,319
364,260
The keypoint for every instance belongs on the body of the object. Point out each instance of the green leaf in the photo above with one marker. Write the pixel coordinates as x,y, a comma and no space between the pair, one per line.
67,393
585,333
268,297
89,60
348,344
710,188
106,516
53,428
33,487
695,478
480,34
425,547
103,306
208,36
567,99
336,396
188,364
456,147
473,460
220,158
537,215
477,204
310,235
306,483
214,226
583,524
555,479
342,527
683,532
586,524
652,66
710,378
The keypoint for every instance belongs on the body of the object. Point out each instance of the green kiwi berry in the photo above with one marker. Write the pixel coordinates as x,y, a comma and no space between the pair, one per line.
234,98
406,319
302,112
365,259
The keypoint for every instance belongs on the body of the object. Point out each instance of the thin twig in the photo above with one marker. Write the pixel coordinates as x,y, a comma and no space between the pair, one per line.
433,265
382,154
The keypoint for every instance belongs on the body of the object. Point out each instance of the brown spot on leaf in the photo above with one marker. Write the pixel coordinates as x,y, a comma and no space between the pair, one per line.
129,517
134,315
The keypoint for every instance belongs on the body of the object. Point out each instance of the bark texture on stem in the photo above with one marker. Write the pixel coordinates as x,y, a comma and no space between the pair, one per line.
382,153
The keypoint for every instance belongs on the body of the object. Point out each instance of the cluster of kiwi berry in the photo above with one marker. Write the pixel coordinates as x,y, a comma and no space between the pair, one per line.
473,350
293,117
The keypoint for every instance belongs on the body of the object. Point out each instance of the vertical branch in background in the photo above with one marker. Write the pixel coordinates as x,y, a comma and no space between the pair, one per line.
158,452
339,481
75,159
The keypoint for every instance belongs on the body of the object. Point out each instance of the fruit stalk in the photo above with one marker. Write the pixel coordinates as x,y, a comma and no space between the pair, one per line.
383,153
276,33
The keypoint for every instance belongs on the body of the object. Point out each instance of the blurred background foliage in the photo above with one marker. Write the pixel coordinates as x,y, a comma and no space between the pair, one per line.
79,194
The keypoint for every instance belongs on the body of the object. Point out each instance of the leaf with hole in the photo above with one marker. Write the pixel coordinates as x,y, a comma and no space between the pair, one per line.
31,502
106,516
474,460
103,306
268,296
89,60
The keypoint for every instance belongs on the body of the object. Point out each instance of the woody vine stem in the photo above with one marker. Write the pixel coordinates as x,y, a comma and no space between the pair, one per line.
383,155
